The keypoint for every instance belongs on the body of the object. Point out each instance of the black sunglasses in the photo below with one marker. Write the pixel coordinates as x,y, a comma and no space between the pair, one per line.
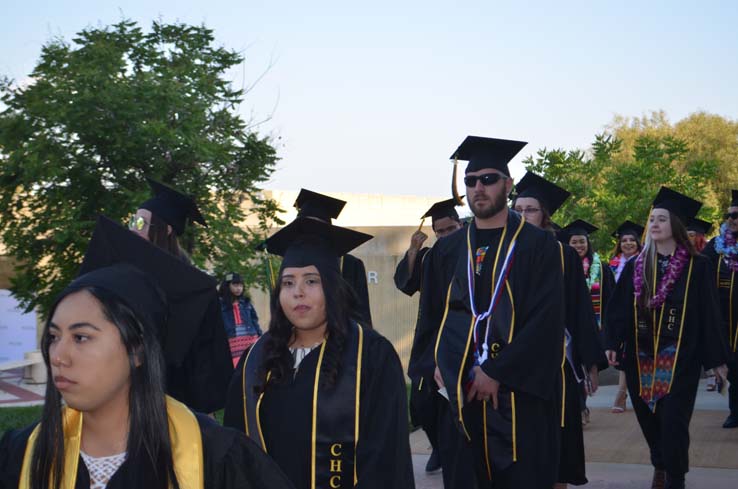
732,215
487,179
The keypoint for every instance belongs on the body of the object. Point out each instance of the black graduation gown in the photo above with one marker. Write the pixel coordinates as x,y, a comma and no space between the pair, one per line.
528,367
702,345
585,352
383,451
354,272
728,294
232,461
406,282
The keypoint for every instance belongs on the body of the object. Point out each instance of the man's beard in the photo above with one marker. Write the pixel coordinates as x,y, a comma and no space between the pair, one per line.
499,202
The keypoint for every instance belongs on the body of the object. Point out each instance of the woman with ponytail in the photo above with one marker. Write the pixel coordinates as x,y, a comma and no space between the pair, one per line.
106,421
665,312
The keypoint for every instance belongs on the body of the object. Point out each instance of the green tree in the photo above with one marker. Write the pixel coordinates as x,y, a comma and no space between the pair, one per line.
100,113
611,184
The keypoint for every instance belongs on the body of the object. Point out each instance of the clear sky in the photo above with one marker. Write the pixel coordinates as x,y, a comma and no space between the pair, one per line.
374,96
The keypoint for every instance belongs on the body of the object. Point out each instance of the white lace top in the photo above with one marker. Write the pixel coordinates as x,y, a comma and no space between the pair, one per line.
300,353
101,469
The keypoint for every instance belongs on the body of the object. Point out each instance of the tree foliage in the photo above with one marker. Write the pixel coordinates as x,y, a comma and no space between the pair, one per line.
100,113
618,179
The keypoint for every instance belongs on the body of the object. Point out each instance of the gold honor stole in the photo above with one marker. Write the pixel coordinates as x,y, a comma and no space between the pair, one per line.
184,433
335,418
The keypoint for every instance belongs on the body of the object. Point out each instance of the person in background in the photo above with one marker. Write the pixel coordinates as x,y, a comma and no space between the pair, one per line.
697,230
428,408
239,316
628,246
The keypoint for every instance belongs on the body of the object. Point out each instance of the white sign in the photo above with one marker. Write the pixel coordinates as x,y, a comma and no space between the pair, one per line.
17,329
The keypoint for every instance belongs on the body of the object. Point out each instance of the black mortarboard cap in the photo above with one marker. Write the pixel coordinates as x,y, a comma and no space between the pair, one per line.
134,287
233,278
630,228
684,207
190,292
313,204
578,228
699,226
305,242
484,153
548,194
734,198
172,206
439,210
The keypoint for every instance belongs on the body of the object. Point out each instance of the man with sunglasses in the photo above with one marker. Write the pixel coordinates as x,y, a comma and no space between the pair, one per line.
495,292
723,251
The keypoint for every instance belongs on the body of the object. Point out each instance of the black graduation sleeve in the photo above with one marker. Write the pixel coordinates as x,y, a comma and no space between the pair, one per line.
620,309
580,317
434,285
383,449
532,361
354,272
233,413
12,453
406,282
233,461
713,350
607,286
202,379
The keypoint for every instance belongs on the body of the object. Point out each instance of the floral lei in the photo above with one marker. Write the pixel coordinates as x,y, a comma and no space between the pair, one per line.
674,269
592,271
725,244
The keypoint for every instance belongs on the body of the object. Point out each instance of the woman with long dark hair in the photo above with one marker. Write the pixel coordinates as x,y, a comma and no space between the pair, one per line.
628,246
537,199
665,312
115,427
200,379
325,397
239,316
599,278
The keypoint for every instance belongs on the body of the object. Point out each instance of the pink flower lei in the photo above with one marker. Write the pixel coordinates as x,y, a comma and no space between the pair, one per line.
674,270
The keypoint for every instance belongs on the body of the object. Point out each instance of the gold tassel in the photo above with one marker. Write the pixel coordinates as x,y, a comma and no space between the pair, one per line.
454,190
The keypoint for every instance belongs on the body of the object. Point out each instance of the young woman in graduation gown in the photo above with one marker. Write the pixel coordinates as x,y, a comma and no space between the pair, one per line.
537,199
116,428
324,397
665,312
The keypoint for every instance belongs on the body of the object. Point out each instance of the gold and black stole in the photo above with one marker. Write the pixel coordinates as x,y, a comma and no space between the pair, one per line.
335,413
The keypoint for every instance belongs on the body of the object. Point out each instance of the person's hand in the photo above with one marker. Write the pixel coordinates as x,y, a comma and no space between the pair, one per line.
721,373
612,357
483,388
437,377
417,240
594,380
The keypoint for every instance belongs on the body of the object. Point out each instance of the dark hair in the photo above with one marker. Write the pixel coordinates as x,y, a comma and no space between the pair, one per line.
618,249
590,253
679,233
340,307
226,295
454,218
148,436
167,241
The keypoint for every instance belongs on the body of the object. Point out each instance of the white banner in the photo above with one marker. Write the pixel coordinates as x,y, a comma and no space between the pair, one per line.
17,329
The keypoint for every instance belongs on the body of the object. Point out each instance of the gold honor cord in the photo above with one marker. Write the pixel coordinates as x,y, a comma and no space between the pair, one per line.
443,323
357,409
486,445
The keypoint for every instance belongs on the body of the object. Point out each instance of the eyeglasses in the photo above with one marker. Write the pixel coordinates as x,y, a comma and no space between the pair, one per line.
138,223
487,179
731,215
528,210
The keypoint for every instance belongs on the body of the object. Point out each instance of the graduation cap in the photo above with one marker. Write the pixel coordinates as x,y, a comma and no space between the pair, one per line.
189,292
484,153
548,194
313,204
630,228
734,198
233,278
578,228
679,204
305,242
174,207
699,226
439,210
